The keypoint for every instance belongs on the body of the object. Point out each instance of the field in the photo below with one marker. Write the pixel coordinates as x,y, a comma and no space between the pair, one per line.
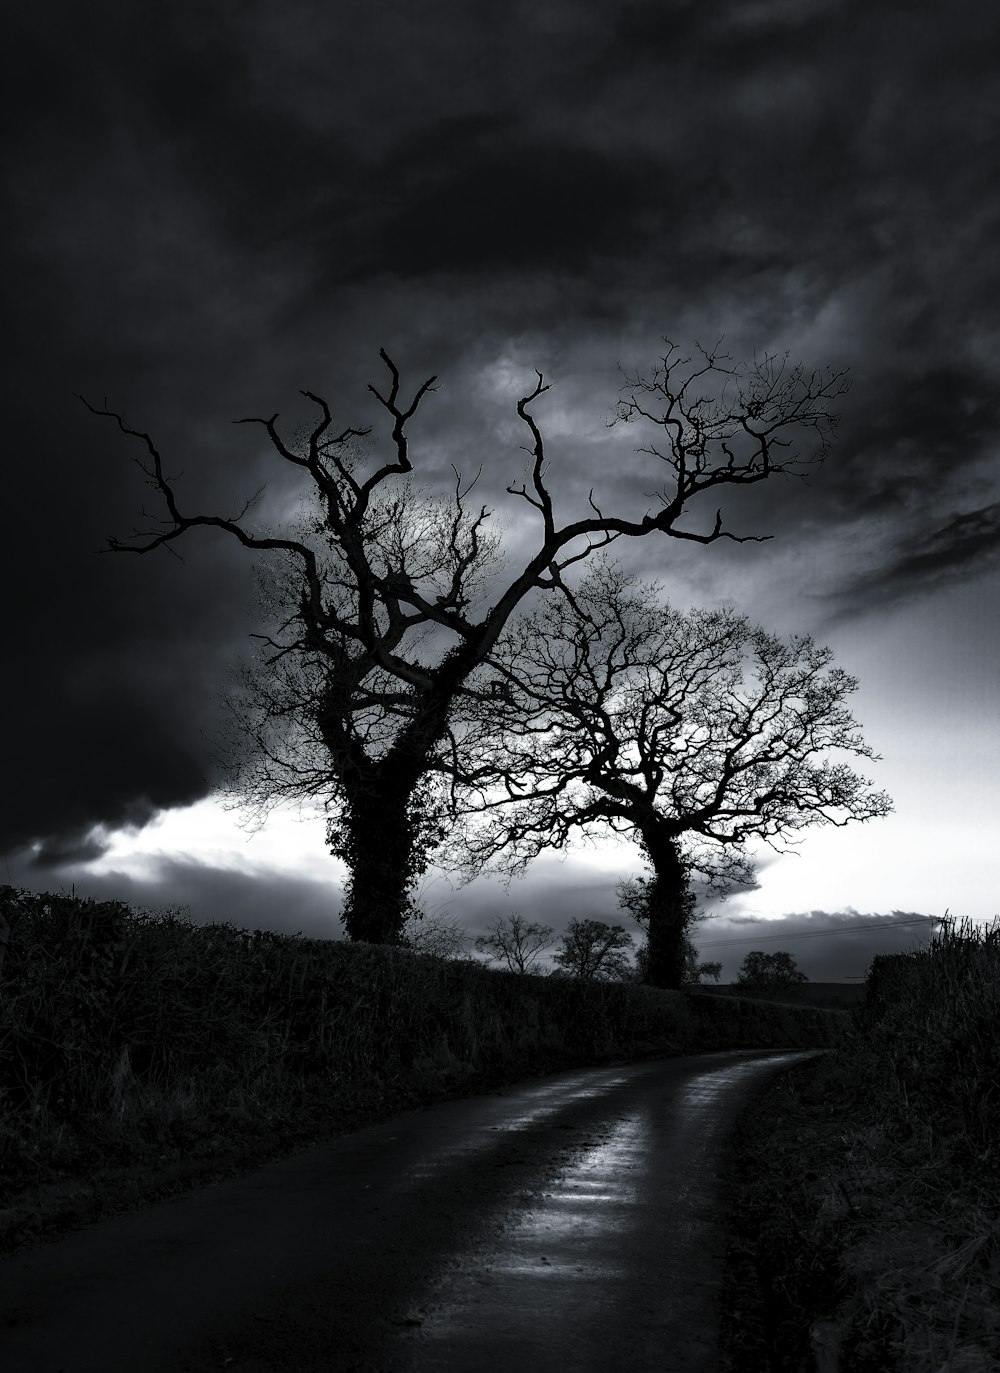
839,996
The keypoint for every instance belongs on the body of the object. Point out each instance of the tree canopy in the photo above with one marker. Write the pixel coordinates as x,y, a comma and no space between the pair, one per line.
516,942
609,708
383,618
694,733
593,949
769,970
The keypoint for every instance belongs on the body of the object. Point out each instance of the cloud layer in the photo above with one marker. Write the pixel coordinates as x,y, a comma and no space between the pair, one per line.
211,208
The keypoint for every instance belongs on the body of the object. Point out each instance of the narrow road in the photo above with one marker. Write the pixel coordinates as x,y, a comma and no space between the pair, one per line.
571,1223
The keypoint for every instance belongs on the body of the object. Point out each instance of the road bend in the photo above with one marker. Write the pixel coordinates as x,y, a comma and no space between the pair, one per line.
570,1223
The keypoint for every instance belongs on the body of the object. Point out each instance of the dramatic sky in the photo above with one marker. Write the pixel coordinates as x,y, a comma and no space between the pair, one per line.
212,205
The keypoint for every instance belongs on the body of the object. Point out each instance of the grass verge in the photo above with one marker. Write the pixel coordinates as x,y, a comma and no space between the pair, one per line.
865,1186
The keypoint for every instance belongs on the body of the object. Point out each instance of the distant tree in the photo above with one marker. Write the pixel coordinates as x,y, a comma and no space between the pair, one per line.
437,935
516,942
352,712
696,733
594,949
769,970
694,972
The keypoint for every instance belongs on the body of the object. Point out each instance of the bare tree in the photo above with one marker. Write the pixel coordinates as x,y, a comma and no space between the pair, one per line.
768,971
439,936
363,601
594,949
694,972
516,942
694,733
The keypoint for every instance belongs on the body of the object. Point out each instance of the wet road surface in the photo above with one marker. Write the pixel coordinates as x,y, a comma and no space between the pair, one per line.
569,1223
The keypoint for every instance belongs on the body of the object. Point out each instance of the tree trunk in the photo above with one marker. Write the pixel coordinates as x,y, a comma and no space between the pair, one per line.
386,829
670,906
382,829
378,842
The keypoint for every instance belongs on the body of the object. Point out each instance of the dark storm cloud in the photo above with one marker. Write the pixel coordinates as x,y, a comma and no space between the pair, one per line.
251,900
828,946
487,198
213,204
547,895
966,546
69,849
908,436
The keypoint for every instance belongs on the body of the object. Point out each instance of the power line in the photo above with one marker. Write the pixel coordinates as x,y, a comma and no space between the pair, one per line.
813,934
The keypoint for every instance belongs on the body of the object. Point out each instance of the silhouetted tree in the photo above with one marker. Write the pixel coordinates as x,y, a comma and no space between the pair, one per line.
516,942
695,972
769,970
368,587
694,733
595,949
439,936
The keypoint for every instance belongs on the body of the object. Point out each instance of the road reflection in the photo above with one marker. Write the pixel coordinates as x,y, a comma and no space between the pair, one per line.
610,1261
